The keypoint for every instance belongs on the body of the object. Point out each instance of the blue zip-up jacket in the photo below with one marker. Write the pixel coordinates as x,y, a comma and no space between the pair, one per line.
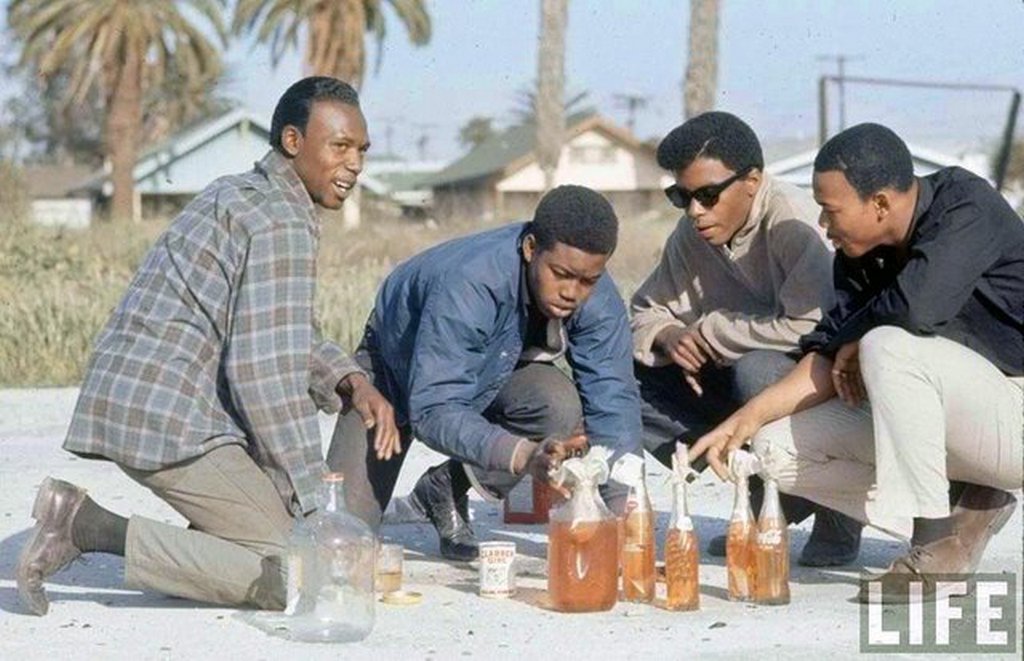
448,329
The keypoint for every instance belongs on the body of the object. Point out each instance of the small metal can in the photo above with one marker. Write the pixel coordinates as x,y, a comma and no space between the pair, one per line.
497,569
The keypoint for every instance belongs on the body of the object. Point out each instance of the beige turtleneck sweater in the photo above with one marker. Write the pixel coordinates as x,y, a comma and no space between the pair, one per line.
763,290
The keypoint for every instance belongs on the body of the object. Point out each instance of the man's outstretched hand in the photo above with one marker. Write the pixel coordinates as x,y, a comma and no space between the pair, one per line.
735,432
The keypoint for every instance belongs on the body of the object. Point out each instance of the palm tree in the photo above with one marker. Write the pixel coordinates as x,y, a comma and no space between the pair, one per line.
702,62
551,86
122,48
335,41
475,131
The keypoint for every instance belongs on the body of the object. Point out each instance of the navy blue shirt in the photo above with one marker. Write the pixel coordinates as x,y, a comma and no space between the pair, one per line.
450,325
961,276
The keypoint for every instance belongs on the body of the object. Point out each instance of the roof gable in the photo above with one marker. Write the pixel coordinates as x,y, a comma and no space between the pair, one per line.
513,149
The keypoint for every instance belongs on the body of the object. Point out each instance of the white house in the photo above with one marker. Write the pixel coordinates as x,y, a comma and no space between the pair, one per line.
55,196
797,169
501,179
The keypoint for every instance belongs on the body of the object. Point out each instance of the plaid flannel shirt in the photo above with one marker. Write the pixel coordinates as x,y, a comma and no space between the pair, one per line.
215,341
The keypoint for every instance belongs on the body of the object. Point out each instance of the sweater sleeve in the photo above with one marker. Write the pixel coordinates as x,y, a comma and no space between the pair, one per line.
664,299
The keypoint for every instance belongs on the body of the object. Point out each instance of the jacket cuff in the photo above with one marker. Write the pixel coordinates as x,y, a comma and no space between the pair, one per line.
503,452
643,343
328,367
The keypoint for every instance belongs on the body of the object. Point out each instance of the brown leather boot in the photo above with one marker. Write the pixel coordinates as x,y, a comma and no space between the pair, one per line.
49,548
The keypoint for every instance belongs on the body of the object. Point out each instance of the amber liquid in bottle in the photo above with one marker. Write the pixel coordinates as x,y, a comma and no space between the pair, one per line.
739,546
682,555
583,565
638,550
682,562
771,552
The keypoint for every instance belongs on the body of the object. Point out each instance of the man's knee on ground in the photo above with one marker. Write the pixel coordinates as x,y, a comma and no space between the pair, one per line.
268,591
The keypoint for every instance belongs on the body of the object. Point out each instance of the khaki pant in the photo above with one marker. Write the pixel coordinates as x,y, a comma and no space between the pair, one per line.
938,412
233,552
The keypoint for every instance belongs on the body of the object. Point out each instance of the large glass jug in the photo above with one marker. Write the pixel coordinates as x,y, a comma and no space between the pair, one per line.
583,539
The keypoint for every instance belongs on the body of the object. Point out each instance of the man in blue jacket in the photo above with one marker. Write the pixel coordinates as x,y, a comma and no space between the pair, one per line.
462,341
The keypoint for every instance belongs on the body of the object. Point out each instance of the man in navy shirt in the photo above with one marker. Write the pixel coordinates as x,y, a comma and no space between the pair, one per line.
462,341
925,351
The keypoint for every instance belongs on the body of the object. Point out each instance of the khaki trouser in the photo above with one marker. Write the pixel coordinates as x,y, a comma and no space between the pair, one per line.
938,412
233,552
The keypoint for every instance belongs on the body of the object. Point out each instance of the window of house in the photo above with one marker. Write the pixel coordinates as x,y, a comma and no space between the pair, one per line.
592,154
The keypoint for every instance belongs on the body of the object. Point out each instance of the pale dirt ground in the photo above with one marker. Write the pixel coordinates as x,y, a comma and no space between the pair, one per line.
93,616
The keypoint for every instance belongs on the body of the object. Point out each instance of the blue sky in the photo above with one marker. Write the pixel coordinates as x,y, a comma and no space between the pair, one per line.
483,51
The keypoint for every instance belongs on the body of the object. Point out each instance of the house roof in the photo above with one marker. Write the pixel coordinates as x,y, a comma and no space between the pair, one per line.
182,142
513,149
54,181
798,167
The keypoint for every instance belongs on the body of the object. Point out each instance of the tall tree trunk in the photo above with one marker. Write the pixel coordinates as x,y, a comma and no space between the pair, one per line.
701,83
336,41
123,122
554,16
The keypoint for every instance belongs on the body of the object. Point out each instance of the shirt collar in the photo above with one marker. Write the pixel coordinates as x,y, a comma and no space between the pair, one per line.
756,208
279,169
925,195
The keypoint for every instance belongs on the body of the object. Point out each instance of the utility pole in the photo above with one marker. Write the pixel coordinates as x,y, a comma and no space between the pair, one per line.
632,103
840,60
424,139
389,131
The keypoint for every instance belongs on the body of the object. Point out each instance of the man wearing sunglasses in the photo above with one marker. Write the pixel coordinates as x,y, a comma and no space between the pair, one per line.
745,273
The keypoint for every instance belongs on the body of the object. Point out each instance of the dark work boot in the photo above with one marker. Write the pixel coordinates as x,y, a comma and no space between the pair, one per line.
433,495
835,540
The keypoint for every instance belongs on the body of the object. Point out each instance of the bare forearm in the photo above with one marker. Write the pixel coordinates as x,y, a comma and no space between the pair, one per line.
807,385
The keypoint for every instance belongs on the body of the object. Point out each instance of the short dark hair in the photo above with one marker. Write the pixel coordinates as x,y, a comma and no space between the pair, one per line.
576,216
715,134
294,106
870,156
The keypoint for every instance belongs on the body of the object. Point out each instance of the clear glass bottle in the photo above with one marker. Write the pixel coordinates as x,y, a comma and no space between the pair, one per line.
301,556
336,596
583,562
739,545
772,550
682,555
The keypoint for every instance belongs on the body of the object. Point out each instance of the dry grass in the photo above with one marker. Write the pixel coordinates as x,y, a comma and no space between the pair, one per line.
58,288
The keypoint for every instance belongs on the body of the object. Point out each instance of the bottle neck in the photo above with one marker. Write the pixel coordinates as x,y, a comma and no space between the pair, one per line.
638,495
741,503
771,510
680,508
332,495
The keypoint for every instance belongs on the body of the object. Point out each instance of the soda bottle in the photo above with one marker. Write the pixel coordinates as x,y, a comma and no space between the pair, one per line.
772,550
682,558
739,544
638,548
583,562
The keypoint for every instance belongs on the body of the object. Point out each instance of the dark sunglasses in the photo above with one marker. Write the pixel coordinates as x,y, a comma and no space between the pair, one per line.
706,195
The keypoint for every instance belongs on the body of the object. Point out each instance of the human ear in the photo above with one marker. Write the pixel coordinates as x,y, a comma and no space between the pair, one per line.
882,204
529,247
753,182
291,140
